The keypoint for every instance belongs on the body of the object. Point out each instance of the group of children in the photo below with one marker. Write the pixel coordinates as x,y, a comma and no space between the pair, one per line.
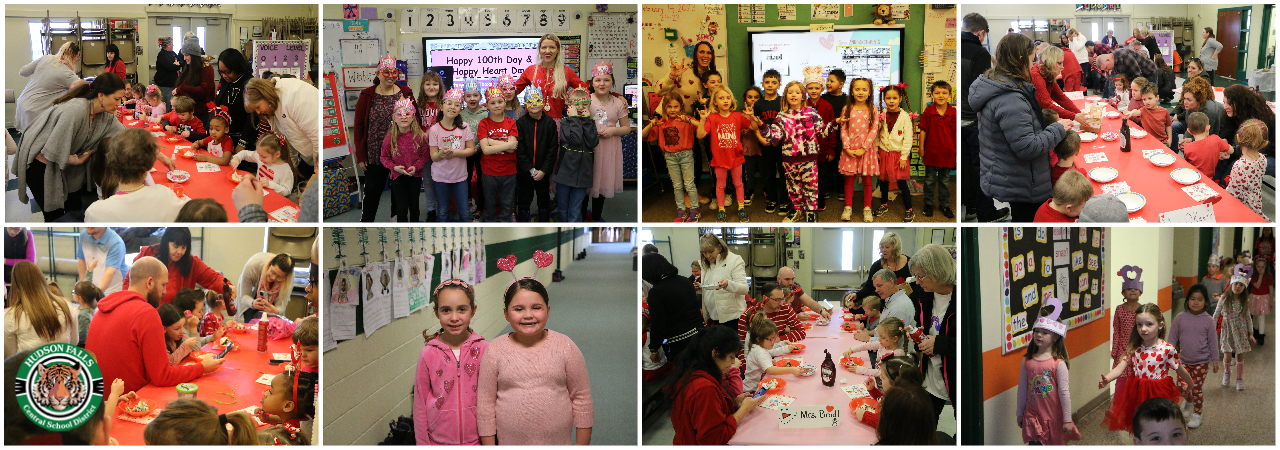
799,125
1146,397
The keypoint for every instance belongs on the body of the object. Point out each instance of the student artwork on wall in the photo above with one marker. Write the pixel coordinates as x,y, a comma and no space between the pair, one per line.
1041,262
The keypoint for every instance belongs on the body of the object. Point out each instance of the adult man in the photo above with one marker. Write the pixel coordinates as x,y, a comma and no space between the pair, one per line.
974,61
128,338
796,297
101,253
774,307
1127,62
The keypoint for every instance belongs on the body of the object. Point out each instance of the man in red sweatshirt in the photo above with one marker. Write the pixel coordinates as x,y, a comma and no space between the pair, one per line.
127,338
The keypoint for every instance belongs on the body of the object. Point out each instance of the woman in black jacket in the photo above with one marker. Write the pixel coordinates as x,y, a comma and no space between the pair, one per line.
167,66
674,310
891,258
236,73
935,272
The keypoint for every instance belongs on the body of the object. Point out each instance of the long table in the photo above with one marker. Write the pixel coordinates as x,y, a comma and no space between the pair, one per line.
1162,193
761,426
238,375
215,185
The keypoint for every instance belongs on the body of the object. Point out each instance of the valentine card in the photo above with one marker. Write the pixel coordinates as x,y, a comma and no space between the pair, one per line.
1147,153
856,390
265,379
777,401
1118,187
1095,157
207,167
1199,192
285,214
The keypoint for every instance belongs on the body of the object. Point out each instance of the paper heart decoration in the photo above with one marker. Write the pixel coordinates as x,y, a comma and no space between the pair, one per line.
542,259
827,41
507,264
830,408
785,415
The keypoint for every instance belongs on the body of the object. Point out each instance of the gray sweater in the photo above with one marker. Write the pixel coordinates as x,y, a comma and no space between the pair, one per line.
57,133
1196,337
48,81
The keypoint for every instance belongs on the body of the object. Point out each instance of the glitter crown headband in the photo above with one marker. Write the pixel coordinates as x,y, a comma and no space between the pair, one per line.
602,68
506,81
540,258
493,92
533,95
404,106
471,85
454,94
387,63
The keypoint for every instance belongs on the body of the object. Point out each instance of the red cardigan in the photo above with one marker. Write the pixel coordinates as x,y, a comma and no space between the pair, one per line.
1049,95
202,94
127,330
702,413
361,121
117,68
201,275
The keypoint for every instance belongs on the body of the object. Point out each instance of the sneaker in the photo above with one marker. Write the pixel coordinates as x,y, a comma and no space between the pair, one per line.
1226,378
840,198
770,206
928,211
703,200
1195,421
884,208
866,214
786,209
720,216
947,212
1188,409
796,216
742,215
1239,384
747,201
822,204
811,217
970,217
728,200
999,215
679,215
910,216
847,214
694,215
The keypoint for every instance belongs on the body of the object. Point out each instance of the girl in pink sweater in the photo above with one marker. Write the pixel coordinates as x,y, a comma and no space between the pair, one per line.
444,395
405,152
534,388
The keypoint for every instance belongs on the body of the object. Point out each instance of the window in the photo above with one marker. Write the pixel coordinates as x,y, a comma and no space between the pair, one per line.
37,44
875,244
200,36
646,236
846,250
177,38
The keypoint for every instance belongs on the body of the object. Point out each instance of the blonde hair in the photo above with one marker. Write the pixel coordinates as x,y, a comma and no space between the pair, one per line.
393,132
786,105
733,105
1253,134
1072,189
894,242
183,104
710,242
258,89
282,150
871,302
892,327
1049,60
557,72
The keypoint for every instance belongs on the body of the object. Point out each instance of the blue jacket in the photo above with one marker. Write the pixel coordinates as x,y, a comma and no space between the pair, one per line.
1014,144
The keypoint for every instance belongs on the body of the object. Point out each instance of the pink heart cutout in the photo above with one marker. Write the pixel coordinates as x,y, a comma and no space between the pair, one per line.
542,259
507,264
827,41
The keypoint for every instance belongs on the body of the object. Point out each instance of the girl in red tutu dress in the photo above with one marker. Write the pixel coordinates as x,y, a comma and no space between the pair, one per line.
1151,358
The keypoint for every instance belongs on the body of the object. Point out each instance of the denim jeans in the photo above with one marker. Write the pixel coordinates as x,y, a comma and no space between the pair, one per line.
500,194
569,201
428,186
936,176
680,167
1178,129
459,191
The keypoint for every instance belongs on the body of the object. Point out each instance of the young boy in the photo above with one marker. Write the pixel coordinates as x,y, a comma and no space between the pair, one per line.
837,98
535,156
939,153
131,154
497,137
1158,421
1069,195
1205,149
1066,151
813,85
307,337
574,172
1154,118
871,307
767,110
472,113
182,121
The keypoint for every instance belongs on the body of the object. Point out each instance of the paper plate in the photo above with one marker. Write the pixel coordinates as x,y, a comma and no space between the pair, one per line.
1093,98
1113,114
173,139
1163,159
808,370
802,347
786,362
1103,174
1137,134
178,176
1133,201
781,384
1185,176
236,173
1088,137
1110,136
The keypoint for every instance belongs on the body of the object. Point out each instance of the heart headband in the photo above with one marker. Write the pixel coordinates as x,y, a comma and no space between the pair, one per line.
221,111
902,86
541,259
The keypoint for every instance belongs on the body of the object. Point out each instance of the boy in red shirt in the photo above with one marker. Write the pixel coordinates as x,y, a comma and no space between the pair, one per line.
1069,195
1066,151
826,149
1206,149
939,153
1154,118
183,121
497,137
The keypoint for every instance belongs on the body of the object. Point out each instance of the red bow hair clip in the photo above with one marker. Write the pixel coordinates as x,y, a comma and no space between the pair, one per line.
902,86
221,111
279,138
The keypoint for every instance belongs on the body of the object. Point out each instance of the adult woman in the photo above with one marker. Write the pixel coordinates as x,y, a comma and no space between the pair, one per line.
1015,143
723,303
167,67
1148,42
57,143
935,272
114,64
265,284
550,74
51,77
196,79
35,316
186,271
686,80
1048,94
373,119
1076,45
891,258
19,246
1240,104
673,306
292,108
1197,96
236,73
1110,39
1195,69
1209,52
703,412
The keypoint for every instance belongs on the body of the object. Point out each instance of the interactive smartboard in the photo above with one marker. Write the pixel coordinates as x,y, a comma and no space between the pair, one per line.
872,53
1040,262
482,58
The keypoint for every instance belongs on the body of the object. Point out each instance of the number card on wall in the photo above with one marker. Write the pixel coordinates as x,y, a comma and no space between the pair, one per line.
429,19
1063,273
281,56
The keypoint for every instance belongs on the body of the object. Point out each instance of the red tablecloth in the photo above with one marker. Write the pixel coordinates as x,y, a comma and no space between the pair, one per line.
1163,194
760,427
238,375
215,185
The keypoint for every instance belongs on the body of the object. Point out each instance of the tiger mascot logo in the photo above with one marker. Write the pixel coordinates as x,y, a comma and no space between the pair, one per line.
58,387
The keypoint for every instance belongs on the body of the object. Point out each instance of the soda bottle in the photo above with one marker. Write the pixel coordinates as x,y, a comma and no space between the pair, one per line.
828,370
1124,136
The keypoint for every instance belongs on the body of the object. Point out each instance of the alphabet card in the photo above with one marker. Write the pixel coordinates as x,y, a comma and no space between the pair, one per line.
809,416
777,401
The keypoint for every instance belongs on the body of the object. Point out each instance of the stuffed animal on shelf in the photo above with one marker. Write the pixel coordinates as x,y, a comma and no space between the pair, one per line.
883,14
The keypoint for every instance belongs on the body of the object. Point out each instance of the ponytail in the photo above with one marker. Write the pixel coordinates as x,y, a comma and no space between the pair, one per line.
104,84
758,327
190,421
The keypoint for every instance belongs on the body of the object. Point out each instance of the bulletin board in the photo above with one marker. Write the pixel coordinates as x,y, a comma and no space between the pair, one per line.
612,37
282,57
938,59
336,40
1039,262
335,134
669,34
1164,41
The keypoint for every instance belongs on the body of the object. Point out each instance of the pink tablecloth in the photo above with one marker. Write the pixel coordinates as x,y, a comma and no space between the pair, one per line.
1163,194
760,427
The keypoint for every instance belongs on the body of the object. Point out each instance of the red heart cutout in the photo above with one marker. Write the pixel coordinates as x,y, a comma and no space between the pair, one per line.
785,415
829,408
507,264
542,259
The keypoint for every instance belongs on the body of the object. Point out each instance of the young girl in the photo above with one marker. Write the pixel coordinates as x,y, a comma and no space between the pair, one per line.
155,109
797,129
1135,97
751,144
87,295
290,400
1234,339
859,123
1260,298
1151,358
449,361
610,115
534,388
220,146
762,346
191,421
897,129
190,303
430,97
214,307
1131,290
275,168
451,142
675,134
725,128
1245,181
896,371
1121,100
1194,334
176,341
508,86
404,151
133,98
1044,410
891,333
574,173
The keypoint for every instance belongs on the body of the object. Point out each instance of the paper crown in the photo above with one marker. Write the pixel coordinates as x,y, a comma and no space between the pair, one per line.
1131,283
404,106
1050,322
812,74
1242,275
506,81
1214,260
533,95
387,63
493,92
454,94
471,85
602,68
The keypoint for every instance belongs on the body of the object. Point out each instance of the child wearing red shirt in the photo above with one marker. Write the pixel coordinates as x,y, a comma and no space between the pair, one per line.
1069,195
939,153
725,127
497,137
183,121
1066,151
675,136
1206,149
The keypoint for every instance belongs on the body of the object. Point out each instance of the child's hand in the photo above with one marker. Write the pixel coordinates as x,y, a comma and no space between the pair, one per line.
409,171
170,128
186,133
202,157
197,144
794,371
92,265
219,332
1252,340
1215,367
192,342
795,347
842,120
399,170
1103,382
749,111
1168,142
902,164
704,112
538,174
859,370
117,388
848,353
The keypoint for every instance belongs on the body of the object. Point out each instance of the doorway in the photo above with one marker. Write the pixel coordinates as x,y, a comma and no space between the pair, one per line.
212,31
1233,34
1094,28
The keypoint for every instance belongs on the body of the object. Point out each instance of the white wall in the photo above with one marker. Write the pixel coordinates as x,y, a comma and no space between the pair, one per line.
225,249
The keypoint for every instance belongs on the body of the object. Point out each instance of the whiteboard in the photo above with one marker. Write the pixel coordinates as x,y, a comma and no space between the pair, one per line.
332,57
360,52
872,53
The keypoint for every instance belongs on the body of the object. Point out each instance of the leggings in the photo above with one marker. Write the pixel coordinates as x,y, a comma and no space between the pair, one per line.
722,176
851,181
406,189
1196,389
1260,323
902,186
802,184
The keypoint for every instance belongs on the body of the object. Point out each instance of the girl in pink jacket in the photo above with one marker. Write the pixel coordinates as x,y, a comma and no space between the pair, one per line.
444,401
